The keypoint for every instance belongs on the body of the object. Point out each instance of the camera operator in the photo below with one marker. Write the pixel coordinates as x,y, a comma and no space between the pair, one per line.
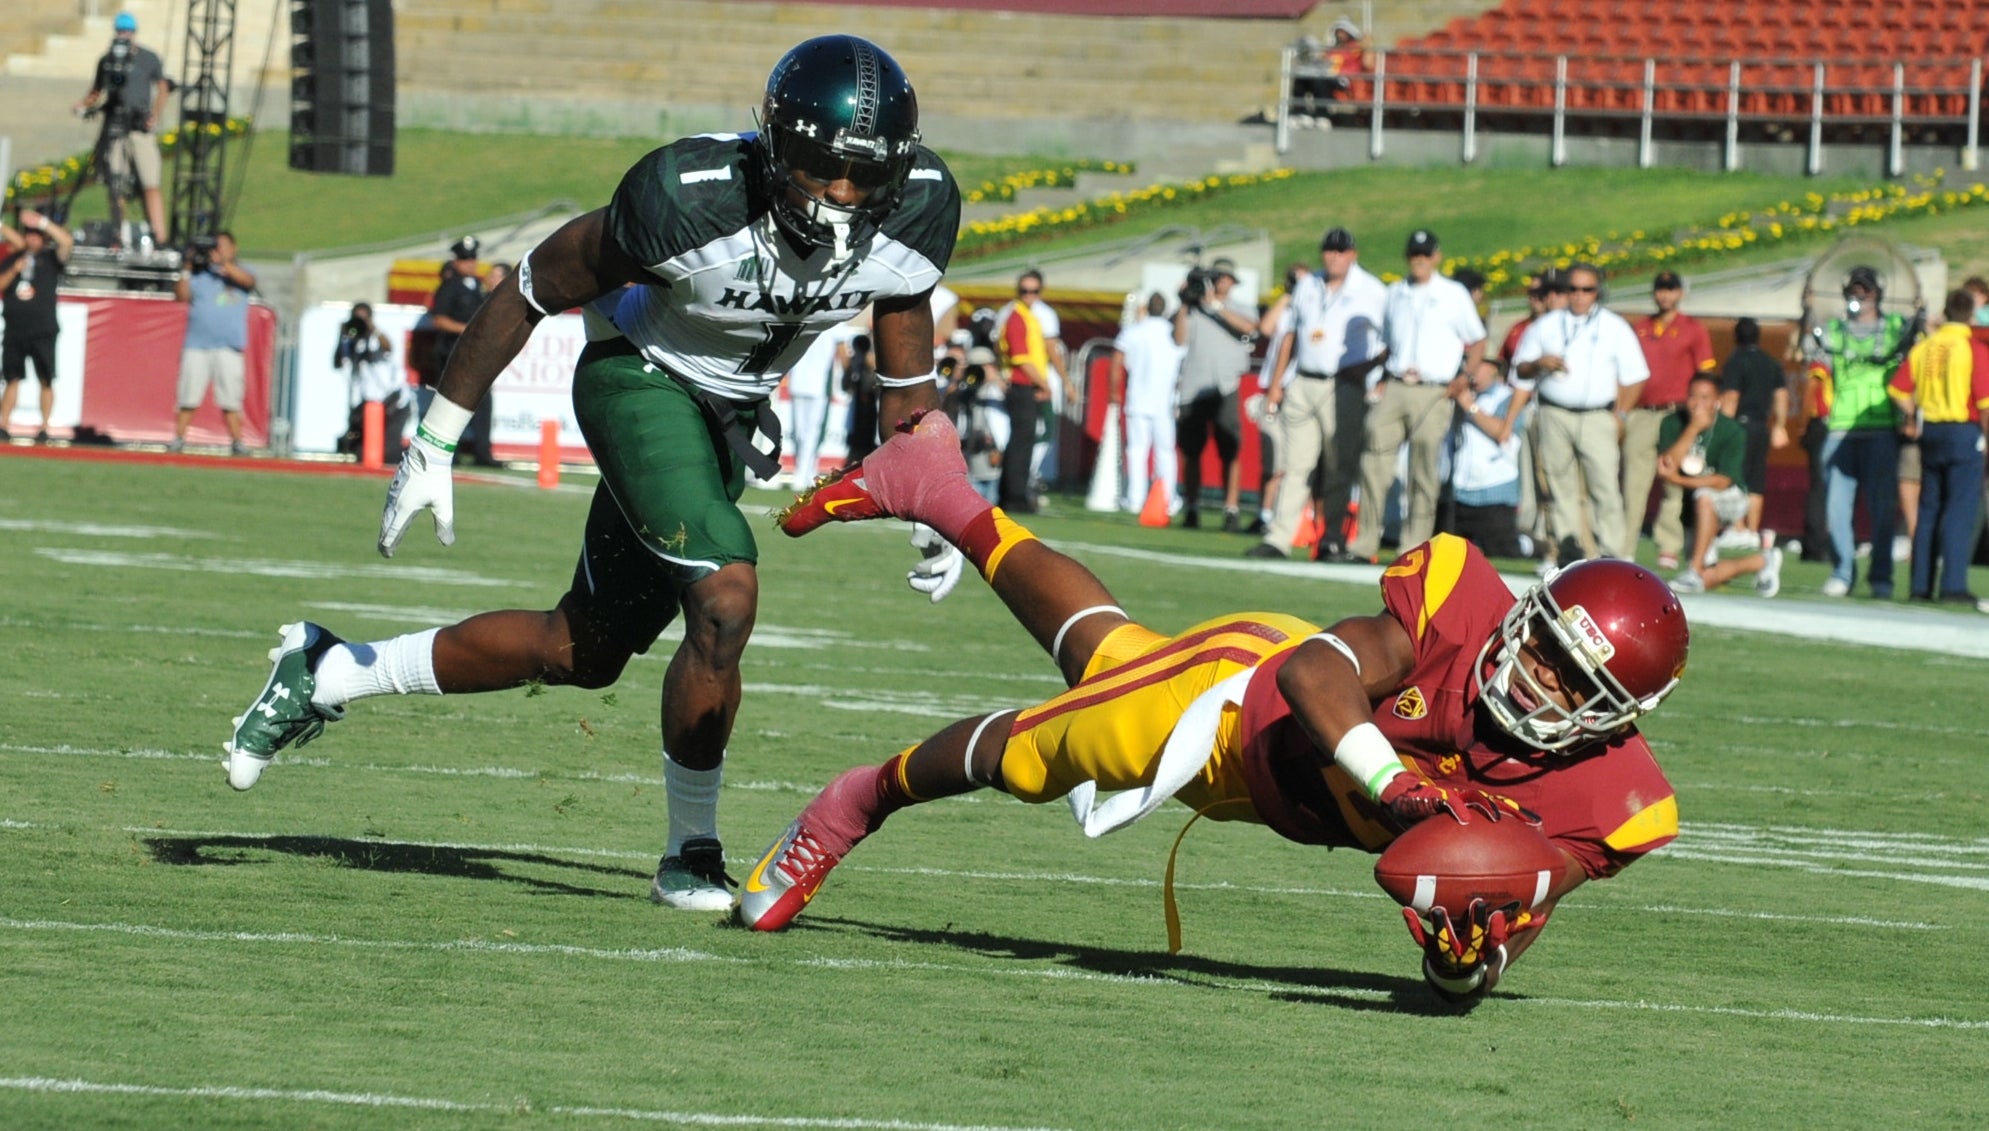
35,258
1215,334
375,380
215,290
130,91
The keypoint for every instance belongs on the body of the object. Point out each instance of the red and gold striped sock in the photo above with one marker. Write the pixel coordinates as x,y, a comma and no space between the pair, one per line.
988,539
894,791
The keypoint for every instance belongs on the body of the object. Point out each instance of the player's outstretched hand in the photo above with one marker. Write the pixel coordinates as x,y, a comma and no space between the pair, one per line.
422,483
1409,798
939,567
1462,958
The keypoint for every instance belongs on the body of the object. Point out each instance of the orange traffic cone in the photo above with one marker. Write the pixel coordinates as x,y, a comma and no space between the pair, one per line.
1310,529
1154,513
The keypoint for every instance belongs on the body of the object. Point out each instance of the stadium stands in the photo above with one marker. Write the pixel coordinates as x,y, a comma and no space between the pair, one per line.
1919,56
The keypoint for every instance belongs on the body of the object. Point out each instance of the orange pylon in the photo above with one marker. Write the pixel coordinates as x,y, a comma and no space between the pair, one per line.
1154,513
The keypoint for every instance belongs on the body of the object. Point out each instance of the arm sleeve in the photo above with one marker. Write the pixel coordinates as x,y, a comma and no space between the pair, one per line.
1902,379
1978,384
1631,366
1702,349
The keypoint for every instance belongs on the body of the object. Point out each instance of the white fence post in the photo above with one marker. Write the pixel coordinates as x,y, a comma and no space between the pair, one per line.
1971,149
1471,108
1380,105
1733,116
1815,165
1281,133
1895,159
1645,156
1559,154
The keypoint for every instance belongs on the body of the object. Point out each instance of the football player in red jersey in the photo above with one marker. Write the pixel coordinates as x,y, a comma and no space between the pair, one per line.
1454,701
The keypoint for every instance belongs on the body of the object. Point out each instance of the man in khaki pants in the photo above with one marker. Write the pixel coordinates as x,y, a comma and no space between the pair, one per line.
1586,368
1434,336
1676,346
1335,341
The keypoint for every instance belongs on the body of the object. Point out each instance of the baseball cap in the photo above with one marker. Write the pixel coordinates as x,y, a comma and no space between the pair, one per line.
1863,276
465,248
1667,281
1553,280
1422,241
1336,239
125,21
1468,279
1223,267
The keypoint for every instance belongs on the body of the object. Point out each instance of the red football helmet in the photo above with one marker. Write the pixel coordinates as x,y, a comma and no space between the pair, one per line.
1612,621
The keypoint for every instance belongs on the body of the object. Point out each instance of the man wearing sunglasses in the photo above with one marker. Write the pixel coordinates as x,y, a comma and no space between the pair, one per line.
1586,368
720,259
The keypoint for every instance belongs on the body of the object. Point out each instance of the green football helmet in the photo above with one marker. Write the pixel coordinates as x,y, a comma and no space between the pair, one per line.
837,108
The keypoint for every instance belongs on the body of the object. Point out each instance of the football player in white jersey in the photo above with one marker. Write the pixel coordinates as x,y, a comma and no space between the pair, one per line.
716,264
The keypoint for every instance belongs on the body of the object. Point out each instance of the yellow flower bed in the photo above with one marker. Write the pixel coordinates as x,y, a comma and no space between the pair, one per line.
46,180
983,236
1006,188
1784,222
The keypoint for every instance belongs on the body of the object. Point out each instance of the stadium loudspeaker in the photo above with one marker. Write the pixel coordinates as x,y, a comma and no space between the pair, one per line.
342,86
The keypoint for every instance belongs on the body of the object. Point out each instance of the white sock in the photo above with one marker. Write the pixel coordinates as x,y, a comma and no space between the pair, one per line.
693,798
404,665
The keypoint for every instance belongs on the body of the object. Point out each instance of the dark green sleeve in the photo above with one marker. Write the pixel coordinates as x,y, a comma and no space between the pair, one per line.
655,216
1726,451
1668,430
928,219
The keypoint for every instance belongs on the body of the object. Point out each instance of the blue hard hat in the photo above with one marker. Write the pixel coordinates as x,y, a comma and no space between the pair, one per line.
125,21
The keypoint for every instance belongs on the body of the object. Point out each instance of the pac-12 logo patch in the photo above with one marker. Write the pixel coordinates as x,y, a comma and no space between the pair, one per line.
1410,705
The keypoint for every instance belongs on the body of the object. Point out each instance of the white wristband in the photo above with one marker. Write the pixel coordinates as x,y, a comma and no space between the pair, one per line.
905,382
443,424
1365,753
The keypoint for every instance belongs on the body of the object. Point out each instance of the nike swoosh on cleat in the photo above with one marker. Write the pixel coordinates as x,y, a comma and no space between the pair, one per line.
838,504
753,883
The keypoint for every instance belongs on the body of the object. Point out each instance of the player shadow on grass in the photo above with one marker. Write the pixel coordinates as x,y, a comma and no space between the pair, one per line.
394,856
1303,985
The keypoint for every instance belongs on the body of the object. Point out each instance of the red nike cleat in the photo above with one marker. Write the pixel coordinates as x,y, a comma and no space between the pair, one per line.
786,878
894,480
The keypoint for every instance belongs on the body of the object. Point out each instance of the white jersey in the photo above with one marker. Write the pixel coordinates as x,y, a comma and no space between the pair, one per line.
734,305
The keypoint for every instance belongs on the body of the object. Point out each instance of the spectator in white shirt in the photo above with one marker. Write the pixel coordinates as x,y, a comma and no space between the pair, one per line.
1484,465
1334,343
808,393
1587,370
1146,364
1434,337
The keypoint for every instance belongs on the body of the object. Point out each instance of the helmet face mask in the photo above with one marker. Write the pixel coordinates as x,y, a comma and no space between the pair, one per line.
1615,638
837,109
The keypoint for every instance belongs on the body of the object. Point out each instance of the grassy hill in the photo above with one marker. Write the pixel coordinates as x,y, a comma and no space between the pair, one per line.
445,180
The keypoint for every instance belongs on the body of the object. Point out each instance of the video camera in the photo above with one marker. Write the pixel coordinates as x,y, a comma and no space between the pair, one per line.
1196,287
200,253
122,112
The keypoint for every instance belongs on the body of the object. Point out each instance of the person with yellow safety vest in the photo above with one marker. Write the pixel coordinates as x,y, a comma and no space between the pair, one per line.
1025,363
1943,387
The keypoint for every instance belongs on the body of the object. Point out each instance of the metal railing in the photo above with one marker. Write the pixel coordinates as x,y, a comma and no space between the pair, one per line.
1532,91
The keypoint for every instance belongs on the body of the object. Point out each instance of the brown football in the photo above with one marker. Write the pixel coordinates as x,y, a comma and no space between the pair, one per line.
1440,863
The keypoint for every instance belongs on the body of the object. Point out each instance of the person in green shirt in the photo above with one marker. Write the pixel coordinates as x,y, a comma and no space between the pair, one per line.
1704,452
1856,357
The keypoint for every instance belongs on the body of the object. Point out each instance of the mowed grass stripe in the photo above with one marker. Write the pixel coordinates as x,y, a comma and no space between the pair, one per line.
431,1103
248,839
1010,970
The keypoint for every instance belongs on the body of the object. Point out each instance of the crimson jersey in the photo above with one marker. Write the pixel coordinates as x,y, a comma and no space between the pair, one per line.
1606,803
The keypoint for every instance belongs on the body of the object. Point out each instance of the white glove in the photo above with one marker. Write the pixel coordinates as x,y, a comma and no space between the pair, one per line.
422,482
939,571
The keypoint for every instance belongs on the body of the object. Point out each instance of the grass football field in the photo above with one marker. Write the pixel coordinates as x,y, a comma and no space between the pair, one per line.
437,915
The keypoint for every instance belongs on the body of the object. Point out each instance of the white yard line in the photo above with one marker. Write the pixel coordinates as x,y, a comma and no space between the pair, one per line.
522,1105
1051,973
1016,876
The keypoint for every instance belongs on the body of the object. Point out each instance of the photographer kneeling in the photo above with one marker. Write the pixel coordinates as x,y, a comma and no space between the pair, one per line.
130,91
375,380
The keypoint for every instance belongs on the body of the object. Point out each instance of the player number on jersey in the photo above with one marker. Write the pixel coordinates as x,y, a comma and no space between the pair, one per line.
779,336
